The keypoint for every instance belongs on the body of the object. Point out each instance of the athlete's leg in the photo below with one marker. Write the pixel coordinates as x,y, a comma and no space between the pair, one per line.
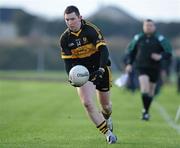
86,94
145,90
144,83
152,89
106,105
151,93
105,102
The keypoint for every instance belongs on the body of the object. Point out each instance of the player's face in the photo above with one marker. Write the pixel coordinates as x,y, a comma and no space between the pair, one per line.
149,27
73,21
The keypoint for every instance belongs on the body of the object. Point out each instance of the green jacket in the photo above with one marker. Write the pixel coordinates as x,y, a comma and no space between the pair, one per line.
142,46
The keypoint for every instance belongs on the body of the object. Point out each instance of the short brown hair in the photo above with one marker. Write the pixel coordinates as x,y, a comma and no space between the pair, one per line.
149,20
71,9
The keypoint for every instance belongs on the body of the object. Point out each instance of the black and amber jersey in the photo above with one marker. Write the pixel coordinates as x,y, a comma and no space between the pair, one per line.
82,47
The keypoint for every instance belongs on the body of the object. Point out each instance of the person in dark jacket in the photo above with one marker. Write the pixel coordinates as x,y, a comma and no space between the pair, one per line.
147,49
177,69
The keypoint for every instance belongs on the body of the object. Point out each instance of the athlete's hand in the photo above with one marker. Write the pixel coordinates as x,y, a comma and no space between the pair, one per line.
128,68
156,56
96,75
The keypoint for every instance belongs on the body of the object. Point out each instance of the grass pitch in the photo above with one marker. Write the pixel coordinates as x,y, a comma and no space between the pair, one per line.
49,115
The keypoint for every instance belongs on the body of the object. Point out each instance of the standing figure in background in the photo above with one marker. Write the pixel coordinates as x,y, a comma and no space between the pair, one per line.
147,49
178,69
165,71
132,82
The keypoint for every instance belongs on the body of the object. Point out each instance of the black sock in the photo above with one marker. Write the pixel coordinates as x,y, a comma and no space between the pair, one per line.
149,101
145,100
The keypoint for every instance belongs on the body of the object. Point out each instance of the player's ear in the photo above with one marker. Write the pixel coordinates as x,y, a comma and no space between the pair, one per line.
80,17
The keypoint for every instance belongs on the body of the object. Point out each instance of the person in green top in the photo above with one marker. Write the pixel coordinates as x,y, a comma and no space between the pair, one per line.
146,50
177,69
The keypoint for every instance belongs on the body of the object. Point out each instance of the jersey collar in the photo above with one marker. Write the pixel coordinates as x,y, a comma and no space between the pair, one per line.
76,33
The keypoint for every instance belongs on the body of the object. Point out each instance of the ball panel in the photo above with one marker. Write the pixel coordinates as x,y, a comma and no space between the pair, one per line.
79,75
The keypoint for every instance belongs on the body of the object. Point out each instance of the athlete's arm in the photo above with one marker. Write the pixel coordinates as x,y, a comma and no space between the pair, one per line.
132,50
131,53
98,40
167,53
104,54
65,53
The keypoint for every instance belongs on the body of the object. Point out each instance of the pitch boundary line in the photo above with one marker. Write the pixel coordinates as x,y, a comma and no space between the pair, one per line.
167,117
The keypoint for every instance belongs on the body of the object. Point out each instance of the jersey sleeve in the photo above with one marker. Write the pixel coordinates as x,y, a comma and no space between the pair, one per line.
133,42
65,53
98,41
132,50
165,44
96,37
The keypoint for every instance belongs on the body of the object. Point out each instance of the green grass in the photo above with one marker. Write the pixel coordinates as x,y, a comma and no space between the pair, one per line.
170,100
48,114
50,75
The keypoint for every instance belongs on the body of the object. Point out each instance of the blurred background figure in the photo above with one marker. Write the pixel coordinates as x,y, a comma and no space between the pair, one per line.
177,69
165,72
147,50
132,83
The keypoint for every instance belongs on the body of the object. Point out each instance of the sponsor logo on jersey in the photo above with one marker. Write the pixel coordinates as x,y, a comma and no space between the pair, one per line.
70,44
78,42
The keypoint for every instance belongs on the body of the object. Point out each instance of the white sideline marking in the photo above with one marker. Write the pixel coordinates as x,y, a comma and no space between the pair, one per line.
166,117
177,115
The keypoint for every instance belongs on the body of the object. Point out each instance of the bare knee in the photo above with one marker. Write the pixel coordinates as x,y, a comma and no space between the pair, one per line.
88,104
144,84
145,88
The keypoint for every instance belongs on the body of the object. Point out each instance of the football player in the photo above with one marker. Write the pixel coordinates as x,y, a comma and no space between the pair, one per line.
83,44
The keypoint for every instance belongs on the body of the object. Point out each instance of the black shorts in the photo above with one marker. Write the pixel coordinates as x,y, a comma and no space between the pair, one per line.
153,74
105,83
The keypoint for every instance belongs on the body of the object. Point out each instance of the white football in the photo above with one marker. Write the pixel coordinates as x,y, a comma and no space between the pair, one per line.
78,75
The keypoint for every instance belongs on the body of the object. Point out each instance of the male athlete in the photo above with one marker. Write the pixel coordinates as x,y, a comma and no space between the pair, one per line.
147,49
83,44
